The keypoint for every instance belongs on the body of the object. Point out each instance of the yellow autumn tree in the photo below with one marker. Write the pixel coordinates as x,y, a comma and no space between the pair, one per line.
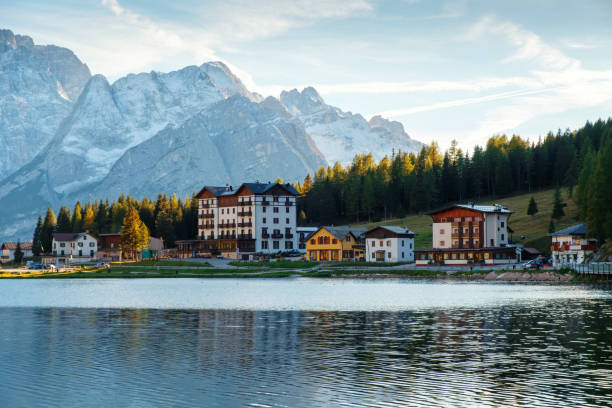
134,233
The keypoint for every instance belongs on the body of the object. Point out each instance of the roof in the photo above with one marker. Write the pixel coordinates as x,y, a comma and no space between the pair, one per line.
13,245
532,251
341,231
307,229
578,229
396,229
495,208
256,188
67,236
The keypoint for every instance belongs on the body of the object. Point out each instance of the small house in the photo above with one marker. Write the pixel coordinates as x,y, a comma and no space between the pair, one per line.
389,244
8,249
342,243
571,246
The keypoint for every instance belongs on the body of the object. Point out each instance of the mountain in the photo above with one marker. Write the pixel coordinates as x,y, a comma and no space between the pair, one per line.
341,135
232,140
38,86
152,132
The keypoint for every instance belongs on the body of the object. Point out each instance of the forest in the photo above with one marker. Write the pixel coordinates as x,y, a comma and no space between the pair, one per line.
580,161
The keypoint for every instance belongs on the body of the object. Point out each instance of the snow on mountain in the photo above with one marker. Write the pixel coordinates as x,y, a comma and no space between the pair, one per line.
38,85
341,135
231,141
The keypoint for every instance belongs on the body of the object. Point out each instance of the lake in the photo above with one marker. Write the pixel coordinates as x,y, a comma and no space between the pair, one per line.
303,343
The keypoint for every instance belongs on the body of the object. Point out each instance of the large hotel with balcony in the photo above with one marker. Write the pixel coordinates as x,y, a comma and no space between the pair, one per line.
467,233
254,218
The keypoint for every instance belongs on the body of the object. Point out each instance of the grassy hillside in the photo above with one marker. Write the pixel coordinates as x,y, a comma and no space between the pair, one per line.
533,228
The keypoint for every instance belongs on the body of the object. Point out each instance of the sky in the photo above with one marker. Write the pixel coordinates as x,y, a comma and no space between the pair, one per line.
463,70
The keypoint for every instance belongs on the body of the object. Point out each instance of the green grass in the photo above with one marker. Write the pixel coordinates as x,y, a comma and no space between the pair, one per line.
163,263
534,228
275,264
362,264
330,273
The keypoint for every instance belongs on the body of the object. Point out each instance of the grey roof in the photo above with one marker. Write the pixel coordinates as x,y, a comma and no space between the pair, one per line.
256,188
578,229
495,208
396,229
342,231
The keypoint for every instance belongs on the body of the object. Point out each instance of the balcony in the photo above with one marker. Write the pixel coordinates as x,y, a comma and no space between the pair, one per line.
245,236
245,213
245,202
228,225
265,235
204,216
265,202
287,202
227,236
288,236
277,235
207,226
245,224
205,205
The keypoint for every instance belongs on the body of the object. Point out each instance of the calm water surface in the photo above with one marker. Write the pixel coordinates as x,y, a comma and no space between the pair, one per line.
302,343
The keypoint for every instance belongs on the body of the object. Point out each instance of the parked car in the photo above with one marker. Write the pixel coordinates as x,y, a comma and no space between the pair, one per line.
533,264
36,266
103,265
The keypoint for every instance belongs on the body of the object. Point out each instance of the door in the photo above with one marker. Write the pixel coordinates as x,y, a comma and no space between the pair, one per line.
380,256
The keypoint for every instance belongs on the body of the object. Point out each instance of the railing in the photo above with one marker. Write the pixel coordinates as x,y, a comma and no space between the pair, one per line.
204,216
227,236
287,202
207,226
245,202
277,235
245,224
227,225
265,235
245,213
288,236
594,268
205,205
245,236
265,202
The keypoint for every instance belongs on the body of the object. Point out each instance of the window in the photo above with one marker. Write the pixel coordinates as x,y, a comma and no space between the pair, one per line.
492,242
275,244
313,242
388,242
402,242
288,244
62,245
275,220
382,244
275,199
442,243
373,244
287,210
502,224
264,244
441,230
502,237
411,245
334,241
92,244
402,254
81,244
222,211
286,220
264,220
275,209
389,255
233,210
85,236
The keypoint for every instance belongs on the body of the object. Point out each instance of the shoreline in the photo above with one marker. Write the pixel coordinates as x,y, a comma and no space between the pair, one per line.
544,276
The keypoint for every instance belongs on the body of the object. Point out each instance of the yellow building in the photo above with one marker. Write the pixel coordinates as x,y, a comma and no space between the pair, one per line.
342,243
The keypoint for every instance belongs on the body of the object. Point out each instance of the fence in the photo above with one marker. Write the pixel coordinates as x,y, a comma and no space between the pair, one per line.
593,268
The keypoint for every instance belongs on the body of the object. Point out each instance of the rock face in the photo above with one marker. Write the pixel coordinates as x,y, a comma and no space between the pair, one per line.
152,133
341,135
38,86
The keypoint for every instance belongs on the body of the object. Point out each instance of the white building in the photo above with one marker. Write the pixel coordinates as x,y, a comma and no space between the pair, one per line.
74,248
7,250
389,244
252,218
570,246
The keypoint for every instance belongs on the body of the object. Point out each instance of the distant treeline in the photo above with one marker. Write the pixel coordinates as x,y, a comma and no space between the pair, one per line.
169,218
580,160
410,183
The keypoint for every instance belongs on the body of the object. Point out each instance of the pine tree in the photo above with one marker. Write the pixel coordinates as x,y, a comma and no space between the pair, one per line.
77,218
307,185
89,219
134,233
551,226
64,220
46,236
18,253
558,205
533,207
36,238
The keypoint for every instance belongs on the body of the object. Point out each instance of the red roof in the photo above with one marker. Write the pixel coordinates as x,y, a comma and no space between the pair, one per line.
13,245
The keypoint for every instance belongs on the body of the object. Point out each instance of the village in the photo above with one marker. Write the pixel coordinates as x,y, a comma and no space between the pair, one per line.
258,221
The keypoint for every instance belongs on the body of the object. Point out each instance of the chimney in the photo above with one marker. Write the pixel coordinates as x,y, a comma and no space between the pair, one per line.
227,187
